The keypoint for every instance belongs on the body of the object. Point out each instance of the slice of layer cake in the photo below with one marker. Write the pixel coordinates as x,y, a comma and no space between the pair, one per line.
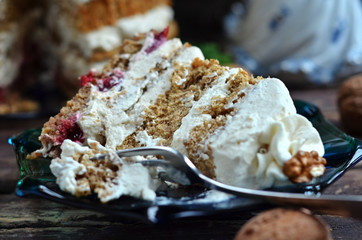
238,129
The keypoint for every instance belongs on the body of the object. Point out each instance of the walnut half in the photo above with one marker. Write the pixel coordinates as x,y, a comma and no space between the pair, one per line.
304,166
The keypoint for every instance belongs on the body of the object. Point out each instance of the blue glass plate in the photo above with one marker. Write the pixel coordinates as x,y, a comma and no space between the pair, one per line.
341,151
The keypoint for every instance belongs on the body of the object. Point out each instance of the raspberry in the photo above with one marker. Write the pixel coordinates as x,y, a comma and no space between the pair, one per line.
107,83
159,39
70,129
103,84
88,78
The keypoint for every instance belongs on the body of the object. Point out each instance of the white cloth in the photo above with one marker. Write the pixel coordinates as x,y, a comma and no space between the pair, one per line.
316,40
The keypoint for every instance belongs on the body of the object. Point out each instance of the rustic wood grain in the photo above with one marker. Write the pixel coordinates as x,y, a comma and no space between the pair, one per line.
34,217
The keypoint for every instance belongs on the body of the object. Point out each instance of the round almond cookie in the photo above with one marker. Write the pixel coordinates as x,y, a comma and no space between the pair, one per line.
350,104
280,224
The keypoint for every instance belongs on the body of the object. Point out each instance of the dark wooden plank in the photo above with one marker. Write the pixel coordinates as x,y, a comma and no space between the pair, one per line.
9,171
41,219
24,218
344,228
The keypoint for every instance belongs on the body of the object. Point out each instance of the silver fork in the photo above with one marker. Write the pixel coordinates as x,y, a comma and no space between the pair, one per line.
341,205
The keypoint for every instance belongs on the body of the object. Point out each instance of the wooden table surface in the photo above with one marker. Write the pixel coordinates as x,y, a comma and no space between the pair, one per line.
33,217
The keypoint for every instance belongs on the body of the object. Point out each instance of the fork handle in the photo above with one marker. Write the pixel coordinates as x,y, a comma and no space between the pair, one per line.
340,205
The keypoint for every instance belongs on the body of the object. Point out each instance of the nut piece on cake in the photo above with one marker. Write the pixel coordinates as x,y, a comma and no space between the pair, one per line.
304,166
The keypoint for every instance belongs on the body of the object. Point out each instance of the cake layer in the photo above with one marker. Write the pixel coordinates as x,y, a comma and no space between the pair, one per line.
94,14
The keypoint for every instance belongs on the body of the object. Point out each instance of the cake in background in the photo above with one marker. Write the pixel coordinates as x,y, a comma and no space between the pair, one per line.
17,18
52,42
86,33
235,128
